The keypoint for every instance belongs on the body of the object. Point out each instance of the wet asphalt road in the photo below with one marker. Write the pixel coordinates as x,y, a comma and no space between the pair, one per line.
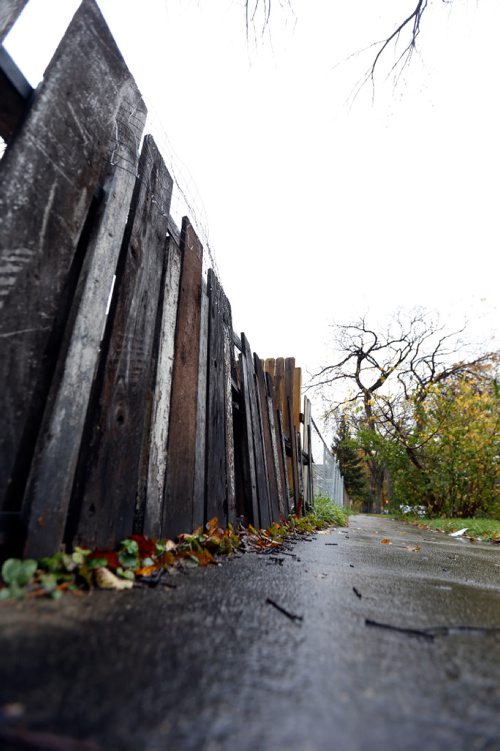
212,664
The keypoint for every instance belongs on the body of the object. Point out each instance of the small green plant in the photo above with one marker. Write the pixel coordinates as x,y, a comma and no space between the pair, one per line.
17,575
325,511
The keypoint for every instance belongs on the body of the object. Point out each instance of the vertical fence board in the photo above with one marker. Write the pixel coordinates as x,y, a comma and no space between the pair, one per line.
49,490
256,427
216,413
272,485
202,416
283,461
113,465
162,394
250,447
181,453
279,465
229,377
48,179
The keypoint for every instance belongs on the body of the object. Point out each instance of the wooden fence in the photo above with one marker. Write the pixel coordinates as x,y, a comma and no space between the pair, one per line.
152,417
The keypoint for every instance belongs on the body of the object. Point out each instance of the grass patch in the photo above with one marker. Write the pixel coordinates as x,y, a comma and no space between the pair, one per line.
483,529
326,512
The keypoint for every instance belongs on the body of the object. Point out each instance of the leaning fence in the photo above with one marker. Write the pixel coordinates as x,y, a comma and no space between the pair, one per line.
128,403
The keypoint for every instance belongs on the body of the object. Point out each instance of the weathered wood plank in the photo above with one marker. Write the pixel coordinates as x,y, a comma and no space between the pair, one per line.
113,465
201,415
279,466
9,12
272,486
59,441
248,447
256,427
297,397
283,460
270,366
307,470
229,377
48,180
279,384
162,394
294,468
181,454
67,152
215,500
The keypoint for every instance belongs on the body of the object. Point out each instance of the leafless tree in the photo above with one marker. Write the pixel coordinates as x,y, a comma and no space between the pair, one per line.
407,29
379,371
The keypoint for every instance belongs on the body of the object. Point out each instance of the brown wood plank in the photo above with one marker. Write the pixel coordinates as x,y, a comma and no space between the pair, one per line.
294,467
216,502
270,366
297,397
162,394
113,466
279,385
181,453
9,12
279,464
48,180
201,415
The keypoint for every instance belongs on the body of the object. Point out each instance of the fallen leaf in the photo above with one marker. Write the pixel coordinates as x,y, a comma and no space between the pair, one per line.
386,541
413,548
105,579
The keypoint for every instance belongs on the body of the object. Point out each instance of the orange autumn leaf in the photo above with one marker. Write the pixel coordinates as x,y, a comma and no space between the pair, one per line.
386,541
212,525
147,570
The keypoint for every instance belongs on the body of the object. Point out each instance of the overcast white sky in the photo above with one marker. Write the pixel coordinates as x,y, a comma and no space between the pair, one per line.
319,210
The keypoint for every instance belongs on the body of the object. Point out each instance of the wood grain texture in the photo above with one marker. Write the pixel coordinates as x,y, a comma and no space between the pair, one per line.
200,470
248,444
181,453
66,156
257,436
162,394
279,467
272,487
216,502
229,378
113,474
49,176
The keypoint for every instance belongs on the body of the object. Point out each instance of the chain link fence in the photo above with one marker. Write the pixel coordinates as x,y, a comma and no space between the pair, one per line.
327,479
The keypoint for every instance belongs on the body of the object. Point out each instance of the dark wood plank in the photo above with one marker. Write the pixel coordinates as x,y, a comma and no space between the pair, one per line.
283,461
181,454
9,12
272,484
68,147
294,467
229,379
162,394
216,502
276,442
113,466
15,92
248,442
200,470
308,495
257,433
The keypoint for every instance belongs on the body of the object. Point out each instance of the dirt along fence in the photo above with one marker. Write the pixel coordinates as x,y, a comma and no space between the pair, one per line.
128,403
